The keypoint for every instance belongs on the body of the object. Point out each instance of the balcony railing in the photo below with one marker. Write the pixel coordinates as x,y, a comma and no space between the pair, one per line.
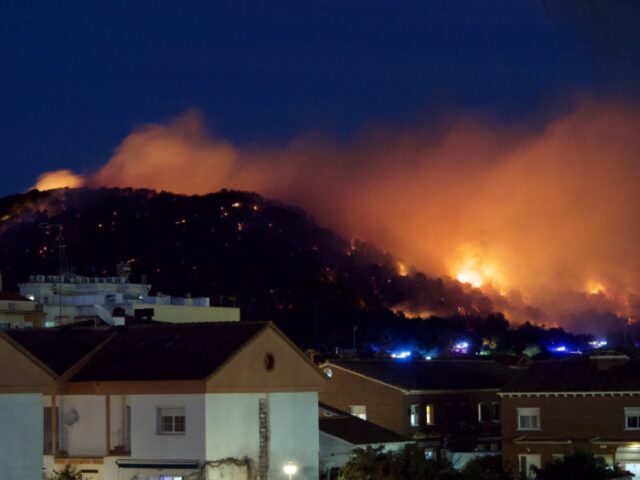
62,444
120,443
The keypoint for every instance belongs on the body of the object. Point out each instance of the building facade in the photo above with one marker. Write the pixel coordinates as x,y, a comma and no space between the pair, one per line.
559,406
17,311
449,406
163,402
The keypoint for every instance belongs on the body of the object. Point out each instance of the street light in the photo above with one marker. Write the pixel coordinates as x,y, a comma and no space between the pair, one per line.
290,469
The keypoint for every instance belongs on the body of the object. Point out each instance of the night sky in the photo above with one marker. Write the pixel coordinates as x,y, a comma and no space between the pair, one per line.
77,77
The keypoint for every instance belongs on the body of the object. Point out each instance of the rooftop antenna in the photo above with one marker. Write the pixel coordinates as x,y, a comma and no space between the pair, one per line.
62,262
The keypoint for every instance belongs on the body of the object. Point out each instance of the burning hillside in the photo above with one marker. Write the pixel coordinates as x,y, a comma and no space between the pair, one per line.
540,218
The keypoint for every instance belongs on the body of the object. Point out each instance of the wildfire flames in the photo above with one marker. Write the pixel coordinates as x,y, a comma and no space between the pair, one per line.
542,218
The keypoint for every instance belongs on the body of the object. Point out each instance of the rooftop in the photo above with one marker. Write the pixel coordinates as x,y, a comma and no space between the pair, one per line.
576,375
355,430
432,374
59,348
168,351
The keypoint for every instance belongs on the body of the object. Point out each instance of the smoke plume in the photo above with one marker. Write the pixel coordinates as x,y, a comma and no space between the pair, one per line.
544,220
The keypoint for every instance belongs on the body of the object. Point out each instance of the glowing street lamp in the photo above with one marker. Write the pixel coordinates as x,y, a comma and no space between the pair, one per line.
290,469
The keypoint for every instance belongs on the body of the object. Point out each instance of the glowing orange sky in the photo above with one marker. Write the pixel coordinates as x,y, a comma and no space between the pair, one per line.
547,217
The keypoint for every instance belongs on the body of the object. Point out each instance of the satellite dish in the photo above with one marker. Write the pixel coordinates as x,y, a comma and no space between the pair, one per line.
70,417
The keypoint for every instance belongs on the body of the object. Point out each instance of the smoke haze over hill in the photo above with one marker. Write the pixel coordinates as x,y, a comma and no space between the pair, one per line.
541,218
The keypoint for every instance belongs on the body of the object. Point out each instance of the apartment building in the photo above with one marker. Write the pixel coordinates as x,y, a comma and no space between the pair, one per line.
165,402
449,406
555,407
17,311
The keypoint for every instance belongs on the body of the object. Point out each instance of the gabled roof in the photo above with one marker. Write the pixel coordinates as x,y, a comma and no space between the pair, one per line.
432,374
353,429
168,351
576,375
59,348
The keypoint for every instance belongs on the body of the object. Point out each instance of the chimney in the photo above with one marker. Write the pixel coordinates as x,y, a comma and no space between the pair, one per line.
606,360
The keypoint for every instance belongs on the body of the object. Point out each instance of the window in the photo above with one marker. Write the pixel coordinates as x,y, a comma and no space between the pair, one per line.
430,453
171,420
170,477
484,412
428,415
495,411
528,419
526,464
413,415
632,418
5,325
359,411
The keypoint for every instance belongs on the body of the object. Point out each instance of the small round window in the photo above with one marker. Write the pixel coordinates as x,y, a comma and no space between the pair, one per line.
269,361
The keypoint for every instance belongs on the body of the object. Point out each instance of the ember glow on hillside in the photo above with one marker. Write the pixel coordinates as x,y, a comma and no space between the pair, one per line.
535,217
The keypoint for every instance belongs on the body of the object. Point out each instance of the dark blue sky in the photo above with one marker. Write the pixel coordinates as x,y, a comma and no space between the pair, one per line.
77,76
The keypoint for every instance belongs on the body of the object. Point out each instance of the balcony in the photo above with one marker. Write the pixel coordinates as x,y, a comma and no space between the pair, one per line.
120,444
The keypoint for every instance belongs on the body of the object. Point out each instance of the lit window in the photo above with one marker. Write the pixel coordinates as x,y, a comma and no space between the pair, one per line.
170,477
428,415
632,418
171,420
359,411
528,419
413,415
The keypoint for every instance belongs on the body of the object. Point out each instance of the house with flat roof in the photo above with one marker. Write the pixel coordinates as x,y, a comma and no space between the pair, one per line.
160,402
17,311
341,433
555,407
448,406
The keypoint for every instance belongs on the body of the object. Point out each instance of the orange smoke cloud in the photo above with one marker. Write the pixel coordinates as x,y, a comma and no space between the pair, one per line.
534,217
58,179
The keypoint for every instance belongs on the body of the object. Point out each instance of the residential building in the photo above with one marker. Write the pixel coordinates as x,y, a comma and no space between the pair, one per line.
162,402
555,407
23,380
342,433
17,311
449,406
74,298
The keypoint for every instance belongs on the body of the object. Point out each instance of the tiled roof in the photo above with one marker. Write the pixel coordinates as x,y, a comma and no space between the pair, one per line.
576,375
168,351
59,348
433,374
355,430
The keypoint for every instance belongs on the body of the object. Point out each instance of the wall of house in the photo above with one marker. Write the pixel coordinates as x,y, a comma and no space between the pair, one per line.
294,433
232,423
575,417
21,436
190,313
386,406
82,423
147,443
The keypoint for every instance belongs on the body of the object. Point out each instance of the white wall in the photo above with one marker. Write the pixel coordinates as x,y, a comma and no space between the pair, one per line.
146,443
232,425
87,436
21,436
233,431
294,434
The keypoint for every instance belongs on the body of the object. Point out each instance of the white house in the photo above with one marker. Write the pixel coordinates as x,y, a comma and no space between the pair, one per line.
166,402
23,379
73,298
